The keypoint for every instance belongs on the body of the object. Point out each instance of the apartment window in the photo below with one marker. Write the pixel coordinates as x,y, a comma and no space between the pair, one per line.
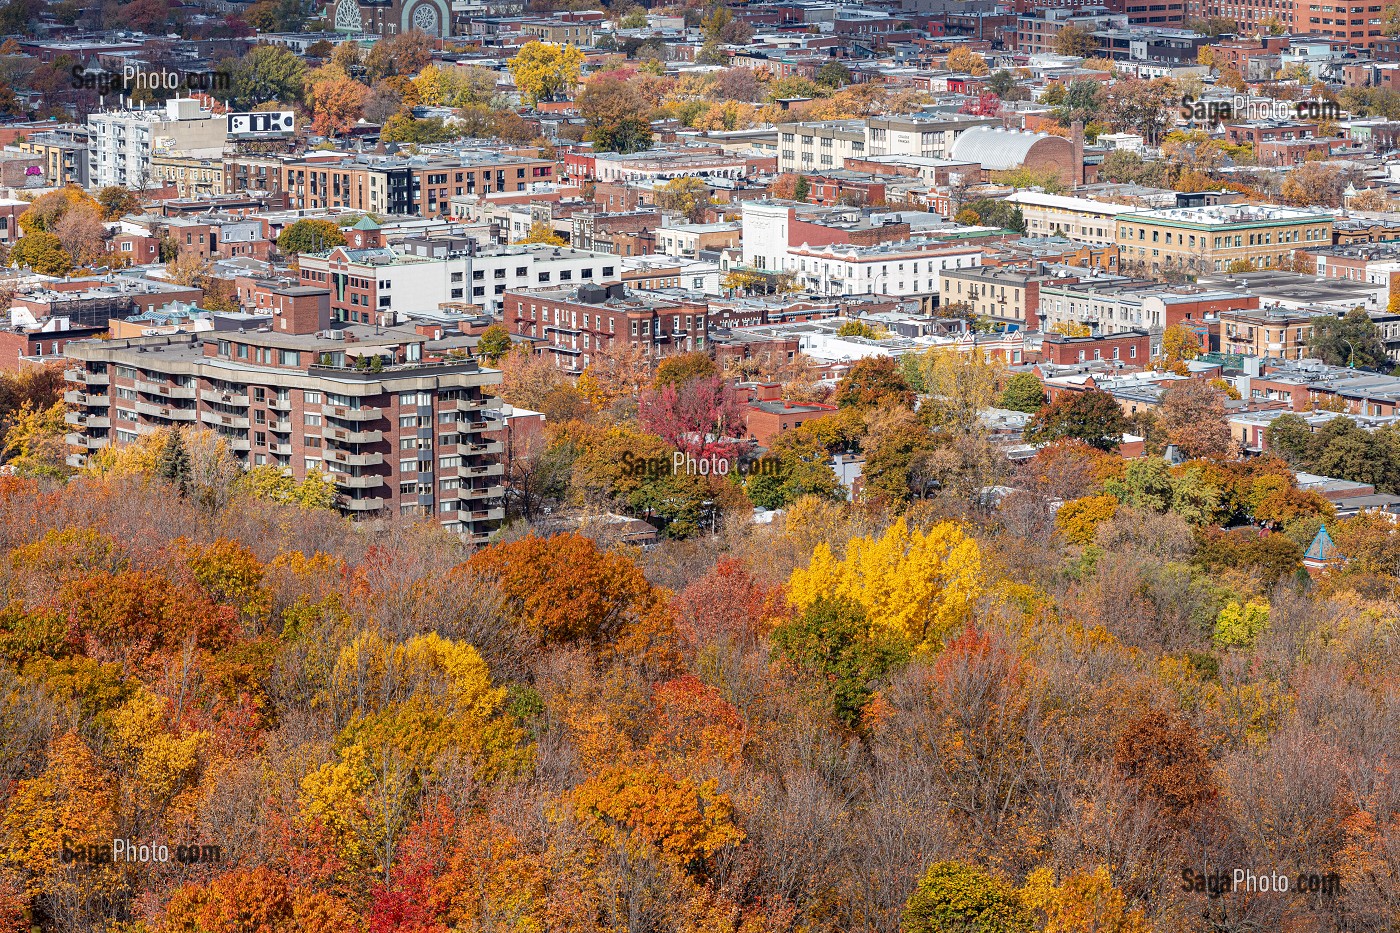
408,466
310,440
310,419
311,398
313,464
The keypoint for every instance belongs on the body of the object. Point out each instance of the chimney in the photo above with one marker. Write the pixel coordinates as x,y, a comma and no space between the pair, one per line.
1077,141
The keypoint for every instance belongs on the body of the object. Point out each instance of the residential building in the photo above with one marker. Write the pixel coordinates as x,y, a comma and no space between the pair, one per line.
1205,239
573,324
65,154
1006,296
192,175
397,426
372,282
689,240
1131,347
806,147
1267,332
1081,219
122,143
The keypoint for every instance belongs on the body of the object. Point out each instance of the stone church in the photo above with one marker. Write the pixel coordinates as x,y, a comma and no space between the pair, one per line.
387,18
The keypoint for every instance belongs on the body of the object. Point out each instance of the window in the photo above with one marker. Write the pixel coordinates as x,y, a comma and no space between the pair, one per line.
311,398
408,466
311,419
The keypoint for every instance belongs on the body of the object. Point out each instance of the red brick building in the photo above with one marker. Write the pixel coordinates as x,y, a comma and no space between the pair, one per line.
767,414
1132,348
572,324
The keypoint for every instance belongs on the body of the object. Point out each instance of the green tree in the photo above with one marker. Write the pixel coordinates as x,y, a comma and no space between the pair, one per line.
1350,340
173,461
1289,436
268,74
493,343
953,897
310,235
833,74
1023,392
797,465
832,646
1092,417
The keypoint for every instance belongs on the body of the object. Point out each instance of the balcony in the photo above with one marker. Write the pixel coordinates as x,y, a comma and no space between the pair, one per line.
484,469
373,504
165,411
219,419
471,427
482,450
346,436
165,391
352,414
482,515
280,449
281,426
85,377
357,482
279,404
219,397
82,440
483,492
79,397
83,419
350,458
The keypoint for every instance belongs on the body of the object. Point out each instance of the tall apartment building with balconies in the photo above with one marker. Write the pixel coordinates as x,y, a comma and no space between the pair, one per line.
400,426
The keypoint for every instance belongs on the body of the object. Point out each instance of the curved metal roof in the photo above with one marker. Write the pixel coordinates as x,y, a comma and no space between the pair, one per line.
994,148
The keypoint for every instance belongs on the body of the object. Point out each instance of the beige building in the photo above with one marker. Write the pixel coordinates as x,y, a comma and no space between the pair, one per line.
687,240
1083,220
192,175
1272,332
1198,240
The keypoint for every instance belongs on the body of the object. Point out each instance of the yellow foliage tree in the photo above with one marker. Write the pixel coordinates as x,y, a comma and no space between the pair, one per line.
1085,901
1071,329
967,62
543,70
543,233
1079,520
915,585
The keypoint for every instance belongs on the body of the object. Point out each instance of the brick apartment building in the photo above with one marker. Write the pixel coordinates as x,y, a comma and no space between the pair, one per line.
574,323
1130,347
767,414
384,184
398,427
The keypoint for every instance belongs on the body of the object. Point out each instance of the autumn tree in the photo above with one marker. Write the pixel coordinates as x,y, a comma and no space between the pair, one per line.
1093,417
1193,414
873,381
544,72
543,233
493,343
337,104
687,195
310,235
968,62
1179,344
117,201
679,368
699,417
912,585
407,53
953,897
1075,41
617,115
43,252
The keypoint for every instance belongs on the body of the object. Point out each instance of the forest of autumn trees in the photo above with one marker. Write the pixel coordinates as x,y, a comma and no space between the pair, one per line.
955,719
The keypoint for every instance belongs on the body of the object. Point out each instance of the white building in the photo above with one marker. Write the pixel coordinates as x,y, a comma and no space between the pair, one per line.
1083,220
425,274
905,269
121,142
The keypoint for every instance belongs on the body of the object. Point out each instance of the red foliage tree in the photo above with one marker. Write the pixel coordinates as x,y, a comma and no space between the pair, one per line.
700,417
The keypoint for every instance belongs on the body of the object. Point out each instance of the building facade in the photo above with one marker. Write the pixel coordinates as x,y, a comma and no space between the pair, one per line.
1209,239
121,143
401,434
